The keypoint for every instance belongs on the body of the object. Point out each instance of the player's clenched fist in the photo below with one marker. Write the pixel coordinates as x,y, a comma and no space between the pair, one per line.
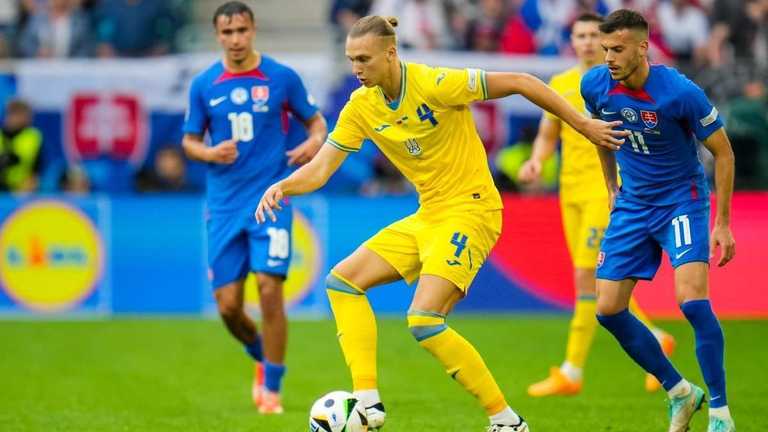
530,171
722,237
604,133
269,202
223,153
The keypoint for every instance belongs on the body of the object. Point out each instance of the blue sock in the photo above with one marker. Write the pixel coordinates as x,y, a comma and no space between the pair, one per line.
273,376
641,346
709,348
254,349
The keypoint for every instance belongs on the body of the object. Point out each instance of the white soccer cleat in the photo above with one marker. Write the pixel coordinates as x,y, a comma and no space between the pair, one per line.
520,427
682,408
376,416
717,424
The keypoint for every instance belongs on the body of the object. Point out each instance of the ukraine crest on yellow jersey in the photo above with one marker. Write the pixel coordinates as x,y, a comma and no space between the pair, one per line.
429,135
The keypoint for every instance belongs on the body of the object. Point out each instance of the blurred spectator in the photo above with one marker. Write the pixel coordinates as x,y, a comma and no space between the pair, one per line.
75,181
422,24
58,30
739,32
344,13
9,15
136,28
684,27
548,19
483,32
499,27
168,173
20,145
510,159
516,37
747,119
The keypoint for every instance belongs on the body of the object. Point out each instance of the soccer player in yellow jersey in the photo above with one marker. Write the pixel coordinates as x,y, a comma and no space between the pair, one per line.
585,210
418,116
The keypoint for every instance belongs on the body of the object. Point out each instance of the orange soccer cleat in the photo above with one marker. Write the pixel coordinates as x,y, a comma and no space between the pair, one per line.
257,388
270,403
668,343
557,384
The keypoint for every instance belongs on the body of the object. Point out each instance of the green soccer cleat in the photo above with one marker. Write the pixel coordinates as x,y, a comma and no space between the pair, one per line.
717,424
682,408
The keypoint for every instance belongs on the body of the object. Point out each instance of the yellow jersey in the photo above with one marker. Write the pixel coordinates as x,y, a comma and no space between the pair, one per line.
428,134
581,176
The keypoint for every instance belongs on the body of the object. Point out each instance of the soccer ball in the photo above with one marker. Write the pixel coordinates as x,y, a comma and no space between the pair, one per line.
338,411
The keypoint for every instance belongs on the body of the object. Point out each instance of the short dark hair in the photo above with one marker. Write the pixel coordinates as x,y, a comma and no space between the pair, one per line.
589,17
624,19
232,8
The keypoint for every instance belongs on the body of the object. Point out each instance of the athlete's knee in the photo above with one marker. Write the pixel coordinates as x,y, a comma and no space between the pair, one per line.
609,305
424,324
337,282
688,290
230,309
611,298
585,282
270,288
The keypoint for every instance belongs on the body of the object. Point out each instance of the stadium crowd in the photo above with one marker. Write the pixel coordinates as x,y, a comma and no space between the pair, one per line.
703,31
721,44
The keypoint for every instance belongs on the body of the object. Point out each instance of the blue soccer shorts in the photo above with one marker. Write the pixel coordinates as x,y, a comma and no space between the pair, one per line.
637,234
238,245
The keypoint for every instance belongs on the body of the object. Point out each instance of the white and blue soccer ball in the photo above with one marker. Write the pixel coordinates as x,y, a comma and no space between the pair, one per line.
338,411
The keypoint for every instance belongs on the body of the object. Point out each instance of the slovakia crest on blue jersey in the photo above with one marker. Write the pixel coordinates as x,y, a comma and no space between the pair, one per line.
649,118
260,95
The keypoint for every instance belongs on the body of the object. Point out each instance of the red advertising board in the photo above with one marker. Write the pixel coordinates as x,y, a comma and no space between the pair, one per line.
532,253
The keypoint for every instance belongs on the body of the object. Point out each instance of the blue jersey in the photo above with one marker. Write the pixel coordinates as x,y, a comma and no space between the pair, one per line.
252,108
658,163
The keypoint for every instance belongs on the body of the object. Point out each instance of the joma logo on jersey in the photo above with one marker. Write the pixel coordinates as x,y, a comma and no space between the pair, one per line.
413,147
425,113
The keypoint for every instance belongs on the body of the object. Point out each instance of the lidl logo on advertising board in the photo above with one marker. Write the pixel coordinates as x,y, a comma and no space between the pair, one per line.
51,256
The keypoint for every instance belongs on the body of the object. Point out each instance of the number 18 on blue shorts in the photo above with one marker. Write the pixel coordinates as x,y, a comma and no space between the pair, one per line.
238,245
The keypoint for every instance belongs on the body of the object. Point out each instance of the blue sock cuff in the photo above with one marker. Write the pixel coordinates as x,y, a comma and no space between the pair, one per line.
254,350
694,306
610,319
273,376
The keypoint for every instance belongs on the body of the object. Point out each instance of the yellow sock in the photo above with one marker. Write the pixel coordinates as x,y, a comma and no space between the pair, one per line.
582,331
356,330
459,358
637,312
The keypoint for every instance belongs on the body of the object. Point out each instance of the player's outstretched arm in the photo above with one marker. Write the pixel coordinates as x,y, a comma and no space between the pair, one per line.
308,178
544,146
720,147
502,84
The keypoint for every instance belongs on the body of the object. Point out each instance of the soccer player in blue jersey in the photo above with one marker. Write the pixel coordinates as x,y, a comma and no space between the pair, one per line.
662,204
243,102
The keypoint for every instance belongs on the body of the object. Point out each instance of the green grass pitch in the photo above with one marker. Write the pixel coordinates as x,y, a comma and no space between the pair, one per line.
188,375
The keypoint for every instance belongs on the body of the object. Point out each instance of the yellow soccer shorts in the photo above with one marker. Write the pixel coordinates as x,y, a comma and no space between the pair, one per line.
584,223
452,246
